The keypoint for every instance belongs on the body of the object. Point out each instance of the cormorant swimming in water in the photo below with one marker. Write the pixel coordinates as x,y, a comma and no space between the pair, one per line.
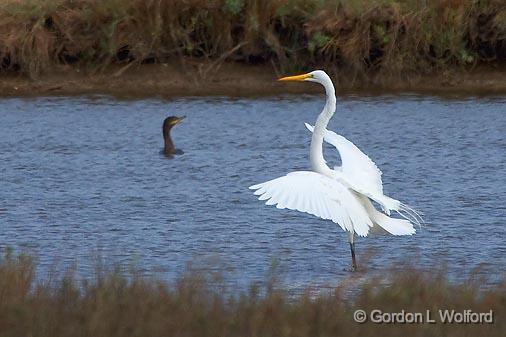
168,123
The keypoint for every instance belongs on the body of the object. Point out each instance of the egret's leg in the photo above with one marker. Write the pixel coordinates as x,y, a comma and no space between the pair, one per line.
351,237
353,260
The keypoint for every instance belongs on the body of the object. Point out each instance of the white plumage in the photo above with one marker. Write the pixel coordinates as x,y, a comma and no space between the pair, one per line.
360,173
359,170
316,194
343,194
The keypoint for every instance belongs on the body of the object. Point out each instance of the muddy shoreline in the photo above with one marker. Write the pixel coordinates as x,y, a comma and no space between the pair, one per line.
234,80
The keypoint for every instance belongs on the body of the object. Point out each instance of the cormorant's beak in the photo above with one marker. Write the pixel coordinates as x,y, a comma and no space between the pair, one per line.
179,120
296,78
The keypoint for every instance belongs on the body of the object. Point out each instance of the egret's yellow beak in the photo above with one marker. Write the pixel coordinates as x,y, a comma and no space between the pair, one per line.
296,78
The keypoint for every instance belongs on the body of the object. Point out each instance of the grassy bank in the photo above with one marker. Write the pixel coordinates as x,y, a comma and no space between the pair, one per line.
359,40
115,305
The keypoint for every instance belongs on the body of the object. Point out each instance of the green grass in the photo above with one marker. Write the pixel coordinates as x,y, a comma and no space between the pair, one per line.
365,39
115,304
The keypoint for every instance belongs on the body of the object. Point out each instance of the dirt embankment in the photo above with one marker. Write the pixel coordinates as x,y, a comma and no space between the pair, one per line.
172,80
237,47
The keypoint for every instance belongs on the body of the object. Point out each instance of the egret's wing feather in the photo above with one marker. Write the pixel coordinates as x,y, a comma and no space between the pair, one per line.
358,171
362,175
316,194
361,172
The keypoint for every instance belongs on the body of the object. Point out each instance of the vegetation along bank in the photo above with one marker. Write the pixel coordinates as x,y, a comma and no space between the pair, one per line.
360,42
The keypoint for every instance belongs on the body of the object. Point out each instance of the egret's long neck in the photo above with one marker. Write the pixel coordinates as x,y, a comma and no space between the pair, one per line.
316,150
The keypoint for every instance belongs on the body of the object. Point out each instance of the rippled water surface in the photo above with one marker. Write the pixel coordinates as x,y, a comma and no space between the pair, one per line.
83,177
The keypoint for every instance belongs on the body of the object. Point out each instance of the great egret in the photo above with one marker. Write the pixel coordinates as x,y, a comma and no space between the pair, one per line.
168,124
342,194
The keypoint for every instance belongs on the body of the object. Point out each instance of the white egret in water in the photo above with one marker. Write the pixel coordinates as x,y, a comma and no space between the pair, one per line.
342,194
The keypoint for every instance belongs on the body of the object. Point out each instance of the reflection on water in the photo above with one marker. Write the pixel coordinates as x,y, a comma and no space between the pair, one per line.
84,177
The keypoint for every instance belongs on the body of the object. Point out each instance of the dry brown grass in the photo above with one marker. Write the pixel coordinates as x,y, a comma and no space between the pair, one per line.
115,305
363,38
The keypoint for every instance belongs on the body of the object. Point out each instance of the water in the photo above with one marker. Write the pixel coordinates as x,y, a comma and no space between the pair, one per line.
83,177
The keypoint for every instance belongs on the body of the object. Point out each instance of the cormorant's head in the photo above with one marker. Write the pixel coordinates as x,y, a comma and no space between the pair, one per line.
169,122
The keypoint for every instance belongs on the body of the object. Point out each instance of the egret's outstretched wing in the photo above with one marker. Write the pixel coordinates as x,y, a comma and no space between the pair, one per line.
358,171
362,175
316,194
358,168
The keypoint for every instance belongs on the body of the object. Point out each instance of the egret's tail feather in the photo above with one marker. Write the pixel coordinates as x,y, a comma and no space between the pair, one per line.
394,226
391,225
410,214
388,204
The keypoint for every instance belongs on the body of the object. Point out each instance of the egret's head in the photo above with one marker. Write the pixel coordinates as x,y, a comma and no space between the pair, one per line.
169,122
318,76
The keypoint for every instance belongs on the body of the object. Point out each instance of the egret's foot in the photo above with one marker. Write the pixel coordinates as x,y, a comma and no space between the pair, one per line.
351,269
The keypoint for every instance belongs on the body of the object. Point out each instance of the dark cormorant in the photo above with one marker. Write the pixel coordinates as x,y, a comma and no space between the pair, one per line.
168,123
